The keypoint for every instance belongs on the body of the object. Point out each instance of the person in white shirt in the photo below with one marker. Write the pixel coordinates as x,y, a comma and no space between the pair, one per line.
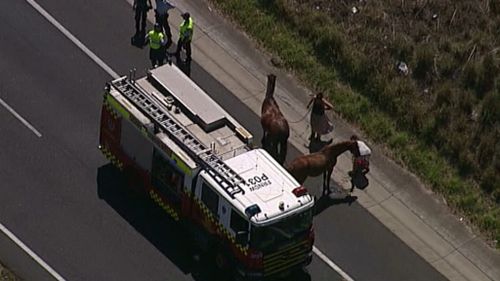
360,163
361,160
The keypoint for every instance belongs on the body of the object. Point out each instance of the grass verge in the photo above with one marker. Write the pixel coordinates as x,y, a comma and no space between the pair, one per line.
299,55
6,275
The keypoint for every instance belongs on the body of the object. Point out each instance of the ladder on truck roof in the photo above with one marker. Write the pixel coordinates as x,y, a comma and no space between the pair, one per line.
226,177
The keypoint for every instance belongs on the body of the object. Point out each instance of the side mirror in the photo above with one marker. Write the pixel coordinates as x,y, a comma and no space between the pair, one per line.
242,237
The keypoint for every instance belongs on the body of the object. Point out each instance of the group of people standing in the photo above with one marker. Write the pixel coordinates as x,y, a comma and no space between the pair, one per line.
160,37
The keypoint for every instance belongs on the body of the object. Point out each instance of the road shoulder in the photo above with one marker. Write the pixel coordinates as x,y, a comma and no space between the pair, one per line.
395,197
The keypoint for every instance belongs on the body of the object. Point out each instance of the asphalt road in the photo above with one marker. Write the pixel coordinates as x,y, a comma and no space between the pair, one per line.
59,195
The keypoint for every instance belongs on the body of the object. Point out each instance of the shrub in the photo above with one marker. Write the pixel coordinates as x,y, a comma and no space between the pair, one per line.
489,183
447,66
398,140
487,76
401,48
490,113
470,76
491,220
425,62
362,51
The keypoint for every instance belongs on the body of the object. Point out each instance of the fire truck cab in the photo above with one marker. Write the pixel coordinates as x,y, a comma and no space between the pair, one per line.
197,163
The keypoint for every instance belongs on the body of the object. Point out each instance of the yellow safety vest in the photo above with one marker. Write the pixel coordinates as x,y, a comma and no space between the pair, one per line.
155,39
187,26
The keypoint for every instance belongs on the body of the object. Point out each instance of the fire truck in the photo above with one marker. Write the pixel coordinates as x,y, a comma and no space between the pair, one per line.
196,162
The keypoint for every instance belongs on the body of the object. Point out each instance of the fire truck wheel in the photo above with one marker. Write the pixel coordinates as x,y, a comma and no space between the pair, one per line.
134,183
221,260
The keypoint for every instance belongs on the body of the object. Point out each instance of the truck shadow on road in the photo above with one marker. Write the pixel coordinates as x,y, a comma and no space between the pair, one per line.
157,227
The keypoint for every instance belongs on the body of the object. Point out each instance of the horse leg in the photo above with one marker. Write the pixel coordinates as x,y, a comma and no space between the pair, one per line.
354,176
282,150
327,176
263,141
324,183
278,152
274,149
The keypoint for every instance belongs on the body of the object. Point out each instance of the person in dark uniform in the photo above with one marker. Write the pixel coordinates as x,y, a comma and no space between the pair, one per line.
161,15
141,8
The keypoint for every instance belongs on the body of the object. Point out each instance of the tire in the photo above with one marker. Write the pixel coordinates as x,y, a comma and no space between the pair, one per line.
223,263
221,260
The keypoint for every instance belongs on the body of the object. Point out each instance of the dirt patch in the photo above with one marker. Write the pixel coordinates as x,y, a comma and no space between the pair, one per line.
7,275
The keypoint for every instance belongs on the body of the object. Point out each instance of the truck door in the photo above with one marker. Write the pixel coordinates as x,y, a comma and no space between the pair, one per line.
209,204
166,178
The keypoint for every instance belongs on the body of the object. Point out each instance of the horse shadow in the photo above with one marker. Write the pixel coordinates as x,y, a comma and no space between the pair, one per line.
324,202
165,234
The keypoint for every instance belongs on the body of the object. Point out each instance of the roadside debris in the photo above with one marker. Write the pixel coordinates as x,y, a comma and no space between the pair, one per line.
276,62
403,68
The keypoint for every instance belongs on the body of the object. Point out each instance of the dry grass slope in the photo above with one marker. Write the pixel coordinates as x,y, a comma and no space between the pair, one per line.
440,116
6,275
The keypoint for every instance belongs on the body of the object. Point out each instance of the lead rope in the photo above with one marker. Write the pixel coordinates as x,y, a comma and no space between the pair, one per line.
303,117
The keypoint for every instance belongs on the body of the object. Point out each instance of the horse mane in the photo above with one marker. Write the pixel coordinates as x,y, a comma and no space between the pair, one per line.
271,83
335,149
269,105
274,124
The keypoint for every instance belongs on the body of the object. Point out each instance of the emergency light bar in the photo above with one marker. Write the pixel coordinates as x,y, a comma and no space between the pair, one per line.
252,210
299,191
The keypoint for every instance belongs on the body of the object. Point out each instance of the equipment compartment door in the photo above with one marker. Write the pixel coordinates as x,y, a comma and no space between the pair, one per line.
166,178
136,145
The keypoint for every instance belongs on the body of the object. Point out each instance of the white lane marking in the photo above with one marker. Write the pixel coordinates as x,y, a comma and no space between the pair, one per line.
31,253
332,264
111,72
20,118
71,37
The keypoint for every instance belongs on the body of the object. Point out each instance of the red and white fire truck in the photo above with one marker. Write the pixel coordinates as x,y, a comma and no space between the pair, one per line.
197,163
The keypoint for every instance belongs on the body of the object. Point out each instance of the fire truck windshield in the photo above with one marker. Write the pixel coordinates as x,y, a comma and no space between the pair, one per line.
285,231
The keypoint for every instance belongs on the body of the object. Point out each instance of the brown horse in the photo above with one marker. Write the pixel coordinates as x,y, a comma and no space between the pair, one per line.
321,162
274,124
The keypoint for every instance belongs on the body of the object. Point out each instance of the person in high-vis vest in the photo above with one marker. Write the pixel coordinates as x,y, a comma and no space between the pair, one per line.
185,37
156,40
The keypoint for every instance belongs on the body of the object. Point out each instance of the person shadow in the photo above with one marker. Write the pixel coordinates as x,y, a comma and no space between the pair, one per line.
183,65
138,40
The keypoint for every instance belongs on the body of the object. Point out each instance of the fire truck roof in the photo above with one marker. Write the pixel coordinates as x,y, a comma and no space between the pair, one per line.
269,192
269,186
195,110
